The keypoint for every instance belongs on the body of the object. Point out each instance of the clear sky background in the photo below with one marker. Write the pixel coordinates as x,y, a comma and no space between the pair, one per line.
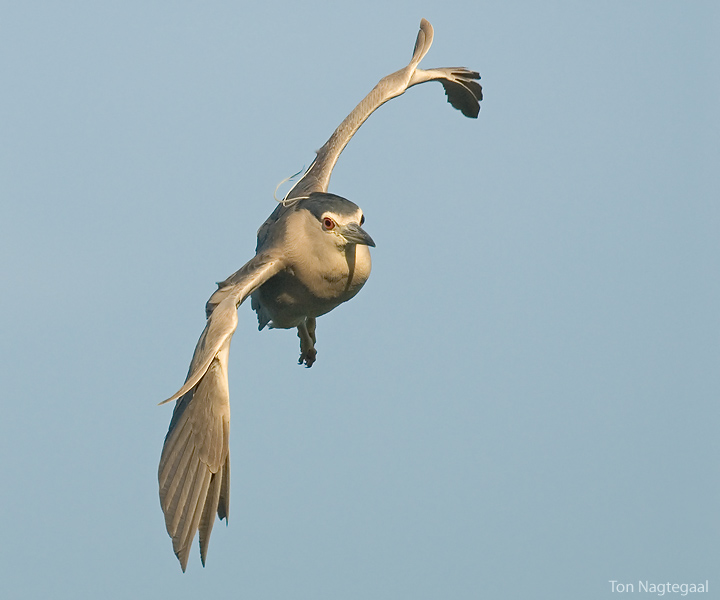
521,403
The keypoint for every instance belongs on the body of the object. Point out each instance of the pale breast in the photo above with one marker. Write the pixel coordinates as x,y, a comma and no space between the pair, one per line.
317,278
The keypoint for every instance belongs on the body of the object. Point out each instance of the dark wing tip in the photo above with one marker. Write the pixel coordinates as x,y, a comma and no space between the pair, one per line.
464,92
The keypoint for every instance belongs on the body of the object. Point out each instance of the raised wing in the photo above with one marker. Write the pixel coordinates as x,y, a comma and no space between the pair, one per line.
461,87
194,472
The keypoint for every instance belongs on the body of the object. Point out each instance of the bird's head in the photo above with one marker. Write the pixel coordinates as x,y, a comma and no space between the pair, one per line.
339,218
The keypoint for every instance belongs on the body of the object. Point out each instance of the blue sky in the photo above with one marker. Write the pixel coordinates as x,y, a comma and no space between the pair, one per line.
521,402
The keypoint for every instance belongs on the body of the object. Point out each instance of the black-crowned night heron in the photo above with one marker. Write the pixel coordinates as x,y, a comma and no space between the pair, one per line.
312,254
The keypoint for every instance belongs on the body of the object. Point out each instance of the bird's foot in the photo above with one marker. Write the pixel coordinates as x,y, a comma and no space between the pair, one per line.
306,333
308,357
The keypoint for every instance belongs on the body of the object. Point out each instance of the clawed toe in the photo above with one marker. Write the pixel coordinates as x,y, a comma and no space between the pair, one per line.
306,333
308,357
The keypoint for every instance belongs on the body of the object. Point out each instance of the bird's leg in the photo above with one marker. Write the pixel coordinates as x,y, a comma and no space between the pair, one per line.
306,333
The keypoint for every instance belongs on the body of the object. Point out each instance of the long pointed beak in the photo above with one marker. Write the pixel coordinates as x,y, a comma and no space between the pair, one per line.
355,234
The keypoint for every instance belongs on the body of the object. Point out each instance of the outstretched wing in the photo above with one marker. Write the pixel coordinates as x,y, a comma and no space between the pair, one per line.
461,87
194,472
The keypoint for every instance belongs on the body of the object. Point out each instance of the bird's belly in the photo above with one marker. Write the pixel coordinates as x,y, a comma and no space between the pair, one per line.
289,297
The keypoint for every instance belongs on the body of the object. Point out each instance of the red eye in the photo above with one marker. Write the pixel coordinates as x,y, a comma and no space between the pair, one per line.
328,223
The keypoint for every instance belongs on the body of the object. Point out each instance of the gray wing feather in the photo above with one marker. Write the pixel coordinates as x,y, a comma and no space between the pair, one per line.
463,93
192,463
317,177
194,471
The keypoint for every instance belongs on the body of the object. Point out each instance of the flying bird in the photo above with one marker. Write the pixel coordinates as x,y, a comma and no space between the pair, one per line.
312,255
